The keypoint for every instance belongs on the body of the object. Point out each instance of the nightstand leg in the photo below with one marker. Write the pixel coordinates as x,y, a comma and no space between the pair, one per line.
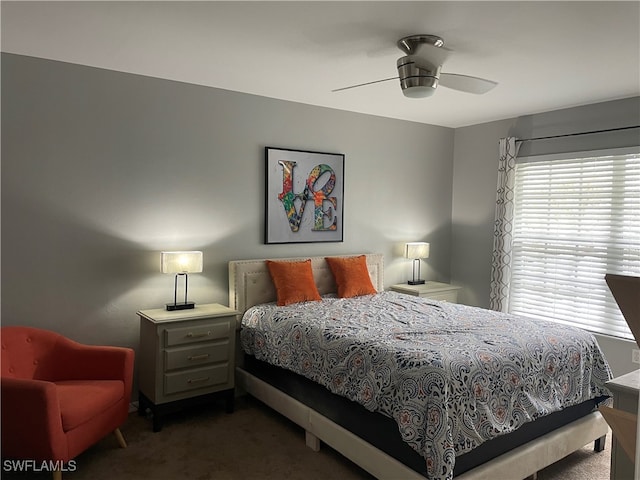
230,401
157,422
142,405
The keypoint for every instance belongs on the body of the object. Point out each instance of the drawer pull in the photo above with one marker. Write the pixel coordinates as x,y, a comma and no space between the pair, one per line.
198,357
197,380
198,335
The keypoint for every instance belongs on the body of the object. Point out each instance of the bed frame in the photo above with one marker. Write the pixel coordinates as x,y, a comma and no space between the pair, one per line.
250,284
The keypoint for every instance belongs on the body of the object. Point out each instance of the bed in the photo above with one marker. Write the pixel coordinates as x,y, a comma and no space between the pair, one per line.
373,440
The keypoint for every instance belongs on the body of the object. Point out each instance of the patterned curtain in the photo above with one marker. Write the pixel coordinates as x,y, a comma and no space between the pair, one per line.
501,264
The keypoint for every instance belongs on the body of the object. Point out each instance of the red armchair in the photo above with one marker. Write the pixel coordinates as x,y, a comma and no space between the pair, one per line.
59,397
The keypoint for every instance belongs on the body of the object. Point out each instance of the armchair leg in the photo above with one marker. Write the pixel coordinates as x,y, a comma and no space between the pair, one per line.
57,474
120,438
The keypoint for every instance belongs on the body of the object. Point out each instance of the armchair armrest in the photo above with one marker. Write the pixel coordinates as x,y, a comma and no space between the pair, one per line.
31,420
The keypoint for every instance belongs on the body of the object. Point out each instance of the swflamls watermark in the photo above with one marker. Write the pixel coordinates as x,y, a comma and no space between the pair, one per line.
38,466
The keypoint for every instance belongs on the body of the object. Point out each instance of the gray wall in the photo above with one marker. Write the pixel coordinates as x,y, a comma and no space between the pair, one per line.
102,170
475,178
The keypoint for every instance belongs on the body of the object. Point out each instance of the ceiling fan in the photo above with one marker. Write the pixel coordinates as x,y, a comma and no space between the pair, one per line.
419,71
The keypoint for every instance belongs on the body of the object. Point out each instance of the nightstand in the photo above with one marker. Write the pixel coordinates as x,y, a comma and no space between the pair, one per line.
432,290
625,398
186,357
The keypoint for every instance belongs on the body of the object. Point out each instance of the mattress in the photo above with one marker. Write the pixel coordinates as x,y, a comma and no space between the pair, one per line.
382,432
450,377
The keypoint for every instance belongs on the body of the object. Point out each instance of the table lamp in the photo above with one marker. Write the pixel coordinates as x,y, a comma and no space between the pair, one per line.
180,263
416,251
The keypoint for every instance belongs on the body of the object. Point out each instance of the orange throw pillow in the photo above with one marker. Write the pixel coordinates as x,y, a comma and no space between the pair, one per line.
293,281
351,275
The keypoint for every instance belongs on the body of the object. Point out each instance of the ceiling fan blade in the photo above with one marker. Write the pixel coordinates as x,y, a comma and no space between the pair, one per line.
364,84
465,83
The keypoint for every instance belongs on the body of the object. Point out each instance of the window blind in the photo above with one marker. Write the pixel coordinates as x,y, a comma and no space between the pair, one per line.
575,219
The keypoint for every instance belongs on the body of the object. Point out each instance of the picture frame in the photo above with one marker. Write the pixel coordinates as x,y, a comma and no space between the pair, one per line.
304,196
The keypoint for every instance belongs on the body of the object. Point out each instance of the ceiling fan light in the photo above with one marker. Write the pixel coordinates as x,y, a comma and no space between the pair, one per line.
418,87
418,91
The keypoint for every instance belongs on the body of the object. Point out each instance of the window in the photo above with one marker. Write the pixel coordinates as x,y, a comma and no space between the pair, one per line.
575,219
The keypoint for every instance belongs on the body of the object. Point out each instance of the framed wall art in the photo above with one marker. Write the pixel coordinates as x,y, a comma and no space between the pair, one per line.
304,196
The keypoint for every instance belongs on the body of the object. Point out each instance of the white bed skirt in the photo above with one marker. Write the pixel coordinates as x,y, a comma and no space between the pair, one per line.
519,463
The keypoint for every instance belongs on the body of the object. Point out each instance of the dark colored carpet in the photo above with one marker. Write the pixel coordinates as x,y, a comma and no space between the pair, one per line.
252,443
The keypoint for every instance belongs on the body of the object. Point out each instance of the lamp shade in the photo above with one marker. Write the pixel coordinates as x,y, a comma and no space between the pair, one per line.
181,262
416,250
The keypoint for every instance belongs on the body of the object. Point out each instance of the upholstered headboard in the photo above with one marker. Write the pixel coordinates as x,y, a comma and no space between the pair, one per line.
250,283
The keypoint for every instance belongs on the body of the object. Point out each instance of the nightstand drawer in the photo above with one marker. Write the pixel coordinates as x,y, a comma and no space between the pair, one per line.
196,333
196,378
186,357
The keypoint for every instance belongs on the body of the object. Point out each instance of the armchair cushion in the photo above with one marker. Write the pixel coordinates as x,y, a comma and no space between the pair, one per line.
80,401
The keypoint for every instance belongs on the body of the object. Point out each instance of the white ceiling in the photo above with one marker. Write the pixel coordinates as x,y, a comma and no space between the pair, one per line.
545,55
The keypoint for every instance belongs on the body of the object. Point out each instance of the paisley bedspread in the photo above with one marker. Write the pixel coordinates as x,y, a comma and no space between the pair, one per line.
451,376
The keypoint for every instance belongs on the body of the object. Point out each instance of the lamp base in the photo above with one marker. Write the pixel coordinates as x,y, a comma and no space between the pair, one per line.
416,282
180,306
